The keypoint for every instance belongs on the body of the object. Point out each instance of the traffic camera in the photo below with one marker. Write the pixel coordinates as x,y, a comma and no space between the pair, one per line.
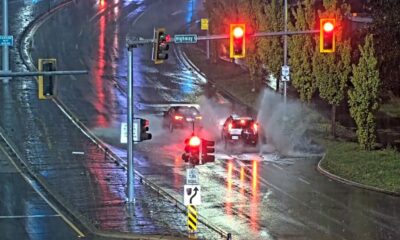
327,35
46,83
237,47
207,150
144,127
161,46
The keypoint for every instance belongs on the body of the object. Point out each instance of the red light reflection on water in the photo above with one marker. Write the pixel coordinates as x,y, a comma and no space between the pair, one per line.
254,178
99,102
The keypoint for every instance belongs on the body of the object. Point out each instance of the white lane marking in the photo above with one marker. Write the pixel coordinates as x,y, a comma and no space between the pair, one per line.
137,18
277,166
304,181
176,12
78,153
28,216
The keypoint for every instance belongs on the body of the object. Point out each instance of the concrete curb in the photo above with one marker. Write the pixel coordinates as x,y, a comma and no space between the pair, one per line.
351,183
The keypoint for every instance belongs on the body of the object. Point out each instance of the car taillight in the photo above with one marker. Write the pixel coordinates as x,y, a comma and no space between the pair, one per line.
199,117
229,126
255,127
243,122
178,117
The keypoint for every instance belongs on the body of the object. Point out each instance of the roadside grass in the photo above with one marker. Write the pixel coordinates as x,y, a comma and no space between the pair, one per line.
378,168
238,82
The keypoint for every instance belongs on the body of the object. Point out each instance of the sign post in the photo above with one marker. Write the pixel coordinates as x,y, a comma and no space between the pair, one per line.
204,26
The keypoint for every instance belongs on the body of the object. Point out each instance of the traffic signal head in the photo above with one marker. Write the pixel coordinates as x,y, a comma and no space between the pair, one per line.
192,150
46,83
144,127
161,46
237,38
207,148
327,35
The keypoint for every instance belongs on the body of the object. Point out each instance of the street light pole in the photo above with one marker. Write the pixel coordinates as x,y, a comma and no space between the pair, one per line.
5,33
131,176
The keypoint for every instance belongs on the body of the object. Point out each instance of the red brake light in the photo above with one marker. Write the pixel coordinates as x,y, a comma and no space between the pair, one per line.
194,141
178,117
243,122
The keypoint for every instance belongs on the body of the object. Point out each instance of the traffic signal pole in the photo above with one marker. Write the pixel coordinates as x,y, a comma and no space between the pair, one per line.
131,163
44,73
5,33
285,50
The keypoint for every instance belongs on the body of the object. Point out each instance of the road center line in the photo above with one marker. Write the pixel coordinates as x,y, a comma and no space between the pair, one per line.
304,181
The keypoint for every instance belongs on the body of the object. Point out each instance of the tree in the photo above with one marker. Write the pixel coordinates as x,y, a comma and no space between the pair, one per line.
332,70
252,59
301,50
386,30
364,96
221,14
270,50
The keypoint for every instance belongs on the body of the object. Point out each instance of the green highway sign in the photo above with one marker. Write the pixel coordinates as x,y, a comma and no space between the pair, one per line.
185,38
6,40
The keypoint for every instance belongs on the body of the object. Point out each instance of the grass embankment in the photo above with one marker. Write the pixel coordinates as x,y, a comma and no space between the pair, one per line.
378,168
391,108
237,82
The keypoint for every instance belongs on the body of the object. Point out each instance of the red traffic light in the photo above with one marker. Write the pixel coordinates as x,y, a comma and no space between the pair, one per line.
328,27
194,141
238,32
237,45
327,35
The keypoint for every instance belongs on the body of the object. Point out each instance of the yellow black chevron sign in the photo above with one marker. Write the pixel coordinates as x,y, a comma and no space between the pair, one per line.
192,218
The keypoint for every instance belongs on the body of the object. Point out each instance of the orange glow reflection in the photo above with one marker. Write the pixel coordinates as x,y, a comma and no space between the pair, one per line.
102,3
254,175
242,175
254,207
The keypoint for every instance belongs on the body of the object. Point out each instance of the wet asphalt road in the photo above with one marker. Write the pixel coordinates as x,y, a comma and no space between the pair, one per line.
253,197
24,214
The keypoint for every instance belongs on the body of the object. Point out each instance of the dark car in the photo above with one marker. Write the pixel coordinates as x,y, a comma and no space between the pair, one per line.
243,130
182,117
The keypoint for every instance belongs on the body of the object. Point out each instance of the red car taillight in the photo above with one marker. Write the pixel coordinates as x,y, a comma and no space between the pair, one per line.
178,117
229,126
